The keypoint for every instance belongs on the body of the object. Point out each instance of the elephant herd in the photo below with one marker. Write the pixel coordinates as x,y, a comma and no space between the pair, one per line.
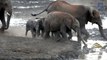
61,18
57,22
58,19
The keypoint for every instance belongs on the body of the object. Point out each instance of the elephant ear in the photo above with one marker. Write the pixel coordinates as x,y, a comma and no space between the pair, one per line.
94,13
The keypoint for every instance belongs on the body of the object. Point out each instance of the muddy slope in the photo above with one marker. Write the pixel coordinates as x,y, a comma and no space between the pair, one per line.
28,48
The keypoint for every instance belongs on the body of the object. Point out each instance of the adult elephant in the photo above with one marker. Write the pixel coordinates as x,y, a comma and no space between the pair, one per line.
58,21
40,29
5,7
83,13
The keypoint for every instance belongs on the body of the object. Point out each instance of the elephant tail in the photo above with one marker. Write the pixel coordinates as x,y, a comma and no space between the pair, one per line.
38,13
46,9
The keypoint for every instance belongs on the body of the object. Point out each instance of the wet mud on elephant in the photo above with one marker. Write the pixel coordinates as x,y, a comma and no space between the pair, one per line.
5,6
58,21
84,14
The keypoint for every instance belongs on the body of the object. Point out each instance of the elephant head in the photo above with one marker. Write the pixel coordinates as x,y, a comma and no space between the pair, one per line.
5,6
95,18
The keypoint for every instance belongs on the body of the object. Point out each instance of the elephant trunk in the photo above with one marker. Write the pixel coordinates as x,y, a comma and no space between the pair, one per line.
101,31
8,20
9,14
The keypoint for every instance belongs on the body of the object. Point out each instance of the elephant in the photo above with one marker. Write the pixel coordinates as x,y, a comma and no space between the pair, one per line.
5,6
83,14
58,21
68,32
31,26
39,26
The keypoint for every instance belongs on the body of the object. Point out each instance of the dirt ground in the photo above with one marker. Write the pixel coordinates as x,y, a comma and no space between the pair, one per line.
15,45
16,31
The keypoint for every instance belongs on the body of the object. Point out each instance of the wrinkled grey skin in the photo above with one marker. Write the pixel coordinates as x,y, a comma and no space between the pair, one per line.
83,13
58,21
5,5
31,26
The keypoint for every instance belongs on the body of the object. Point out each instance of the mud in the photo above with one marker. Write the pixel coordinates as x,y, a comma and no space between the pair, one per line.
25,48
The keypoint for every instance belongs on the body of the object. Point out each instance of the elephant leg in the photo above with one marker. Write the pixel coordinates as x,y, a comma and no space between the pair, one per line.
26,32
52,34
57,35
27,29
80,37
8,21
38,32
2,17
3,24
42,33
46,32
63,32
85,32
33,33
46,35
46,29
69,32
9,14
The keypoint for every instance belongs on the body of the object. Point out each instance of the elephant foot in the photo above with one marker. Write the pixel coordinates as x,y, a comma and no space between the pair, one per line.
69,38
85,39
85,49
62,40
46,37
59,39
2,29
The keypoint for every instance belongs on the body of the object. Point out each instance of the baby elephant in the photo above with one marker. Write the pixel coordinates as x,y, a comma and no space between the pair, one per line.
31,26
58,22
